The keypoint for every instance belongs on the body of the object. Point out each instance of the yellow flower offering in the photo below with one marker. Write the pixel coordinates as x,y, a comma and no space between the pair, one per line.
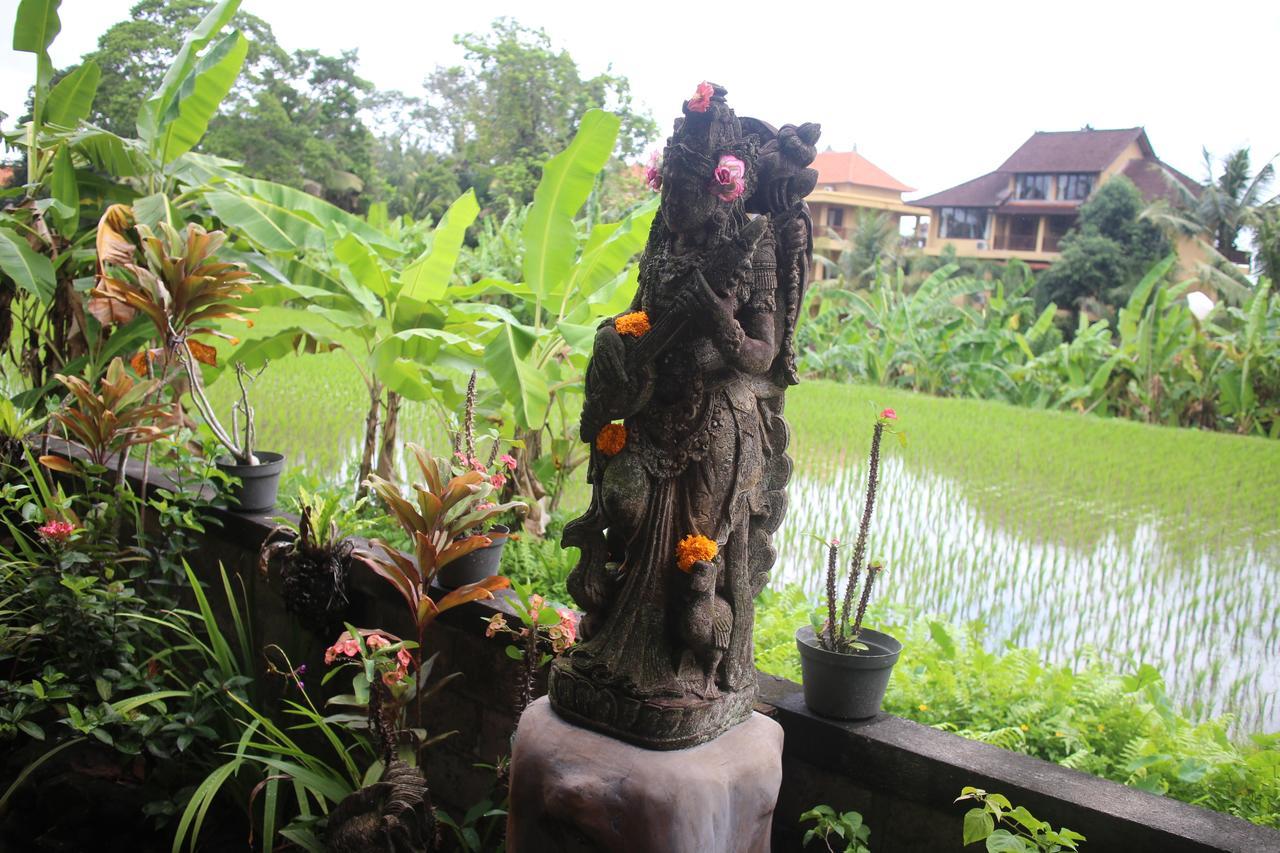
694,548
611,439
634,324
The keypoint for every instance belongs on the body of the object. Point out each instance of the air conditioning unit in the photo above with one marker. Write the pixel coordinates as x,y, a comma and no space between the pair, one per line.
982,245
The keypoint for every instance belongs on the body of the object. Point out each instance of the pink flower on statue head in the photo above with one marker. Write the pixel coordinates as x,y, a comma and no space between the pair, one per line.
729,179
701,100
653,174
56,531
888,415
508,460
498,480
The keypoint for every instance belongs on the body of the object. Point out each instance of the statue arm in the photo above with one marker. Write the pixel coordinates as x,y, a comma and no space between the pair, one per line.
747,340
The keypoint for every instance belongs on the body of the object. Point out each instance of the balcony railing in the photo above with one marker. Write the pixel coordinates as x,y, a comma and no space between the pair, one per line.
1015,242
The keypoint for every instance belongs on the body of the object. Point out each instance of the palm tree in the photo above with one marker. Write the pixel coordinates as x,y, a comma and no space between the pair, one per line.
1226,204
1234,200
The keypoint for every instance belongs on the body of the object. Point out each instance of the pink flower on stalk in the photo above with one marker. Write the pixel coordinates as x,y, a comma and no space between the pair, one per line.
497,623
653,174
535,604
404,658
345,645
568,624
729,179
888,415
460,456
376,641
701,100
498,480
56,531
393,677
508,460
477,465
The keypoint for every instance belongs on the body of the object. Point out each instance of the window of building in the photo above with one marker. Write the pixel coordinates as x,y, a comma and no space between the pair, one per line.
835,217
1075,186
962,223
1032,187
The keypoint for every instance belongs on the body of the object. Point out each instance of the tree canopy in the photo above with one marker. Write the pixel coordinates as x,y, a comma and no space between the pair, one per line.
1106,253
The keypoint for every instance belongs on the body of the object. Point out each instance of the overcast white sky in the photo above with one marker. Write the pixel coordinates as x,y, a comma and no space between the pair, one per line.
934,93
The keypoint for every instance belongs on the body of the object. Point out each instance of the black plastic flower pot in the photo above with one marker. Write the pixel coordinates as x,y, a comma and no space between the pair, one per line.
258,483
476,566
846,687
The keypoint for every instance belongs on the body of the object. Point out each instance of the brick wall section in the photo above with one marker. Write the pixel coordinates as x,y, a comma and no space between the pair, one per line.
900,775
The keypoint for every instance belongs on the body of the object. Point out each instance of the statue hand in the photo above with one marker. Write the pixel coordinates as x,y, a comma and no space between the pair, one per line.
705,301
609,359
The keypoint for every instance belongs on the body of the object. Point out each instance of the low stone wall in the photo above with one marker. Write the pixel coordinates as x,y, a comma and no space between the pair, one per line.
902,776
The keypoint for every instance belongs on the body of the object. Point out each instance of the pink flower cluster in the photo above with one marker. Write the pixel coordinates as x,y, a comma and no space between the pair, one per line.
565,633
888,415
56,531
701,100
562,635
394,670
653,174
729,179
498,479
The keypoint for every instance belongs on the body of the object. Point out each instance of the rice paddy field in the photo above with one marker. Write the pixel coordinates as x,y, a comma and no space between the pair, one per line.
1065,532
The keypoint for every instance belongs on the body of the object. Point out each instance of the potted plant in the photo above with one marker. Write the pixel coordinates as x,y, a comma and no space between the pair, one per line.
477,565
314,560
257,471
182,288
845,667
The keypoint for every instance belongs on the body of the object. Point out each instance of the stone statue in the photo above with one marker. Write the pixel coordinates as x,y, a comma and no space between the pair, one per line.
683,410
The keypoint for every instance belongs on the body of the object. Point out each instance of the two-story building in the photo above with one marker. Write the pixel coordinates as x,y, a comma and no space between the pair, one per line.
1025,207
848,184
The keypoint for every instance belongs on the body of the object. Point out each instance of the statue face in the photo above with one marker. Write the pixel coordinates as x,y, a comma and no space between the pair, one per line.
687,204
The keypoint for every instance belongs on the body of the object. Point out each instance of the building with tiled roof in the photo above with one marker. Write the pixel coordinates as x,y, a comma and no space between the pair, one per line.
1027,205
849,185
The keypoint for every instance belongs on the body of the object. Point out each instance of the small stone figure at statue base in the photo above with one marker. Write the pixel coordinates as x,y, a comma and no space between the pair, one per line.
575,790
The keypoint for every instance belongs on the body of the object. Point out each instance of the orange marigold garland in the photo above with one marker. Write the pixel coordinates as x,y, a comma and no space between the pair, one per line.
634,324
611,439
695,548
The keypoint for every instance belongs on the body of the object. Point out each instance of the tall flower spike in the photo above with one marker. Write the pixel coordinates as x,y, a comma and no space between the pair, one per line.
833,553
868,507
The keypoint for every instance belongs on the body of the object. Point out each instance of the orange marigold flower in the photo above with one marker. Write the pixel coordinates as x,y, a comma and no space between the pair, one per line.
634,324
611,439
694,548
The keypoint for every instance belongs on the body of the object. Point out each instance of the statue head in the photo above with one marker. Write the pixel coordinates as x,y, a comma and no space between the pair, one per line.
702,576
708,166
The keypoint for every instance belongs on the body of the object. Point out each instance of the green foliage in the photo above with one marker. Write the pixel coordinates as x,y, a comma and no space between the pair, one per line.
963,336
1011,829
1106,253
842,832
1119,726
515,103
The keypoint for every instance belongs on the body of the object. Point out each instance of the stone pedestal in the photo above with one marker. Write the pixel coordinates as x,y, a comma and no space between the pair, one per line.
573,789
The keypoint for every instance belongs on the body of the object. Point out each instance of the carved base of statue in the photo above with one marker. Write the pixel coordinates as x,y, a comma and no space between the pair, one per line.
654,722
683,412
576,790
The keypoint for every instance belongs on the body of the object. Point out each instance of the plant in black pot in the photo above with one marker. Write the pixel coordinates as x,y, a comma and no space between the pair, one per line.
496,469
314,559
844,666
257,472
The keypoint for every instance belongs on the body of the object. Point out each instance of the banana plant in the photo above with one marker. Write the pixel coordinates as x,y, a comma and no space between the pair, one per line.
378,293
572,277
45,242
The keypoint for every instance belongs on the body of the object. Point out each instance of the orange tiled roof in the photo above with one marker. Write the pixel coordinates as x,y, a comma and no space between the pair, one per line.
843,167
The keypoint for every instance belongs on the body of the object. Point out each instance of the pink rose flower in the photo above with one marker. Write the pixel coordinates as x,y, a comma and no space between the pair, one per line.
888,415
729,179
701,100
653,174
508,460
56,531
498,480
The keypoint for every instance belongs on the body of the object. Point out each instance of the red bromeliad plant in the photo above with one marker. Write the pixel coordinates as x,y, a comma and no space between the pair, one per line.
436,519
110,420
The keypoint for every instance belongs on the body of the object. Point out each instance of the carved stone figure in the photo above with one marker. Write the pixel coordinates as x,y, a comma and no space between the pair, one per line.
683,411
